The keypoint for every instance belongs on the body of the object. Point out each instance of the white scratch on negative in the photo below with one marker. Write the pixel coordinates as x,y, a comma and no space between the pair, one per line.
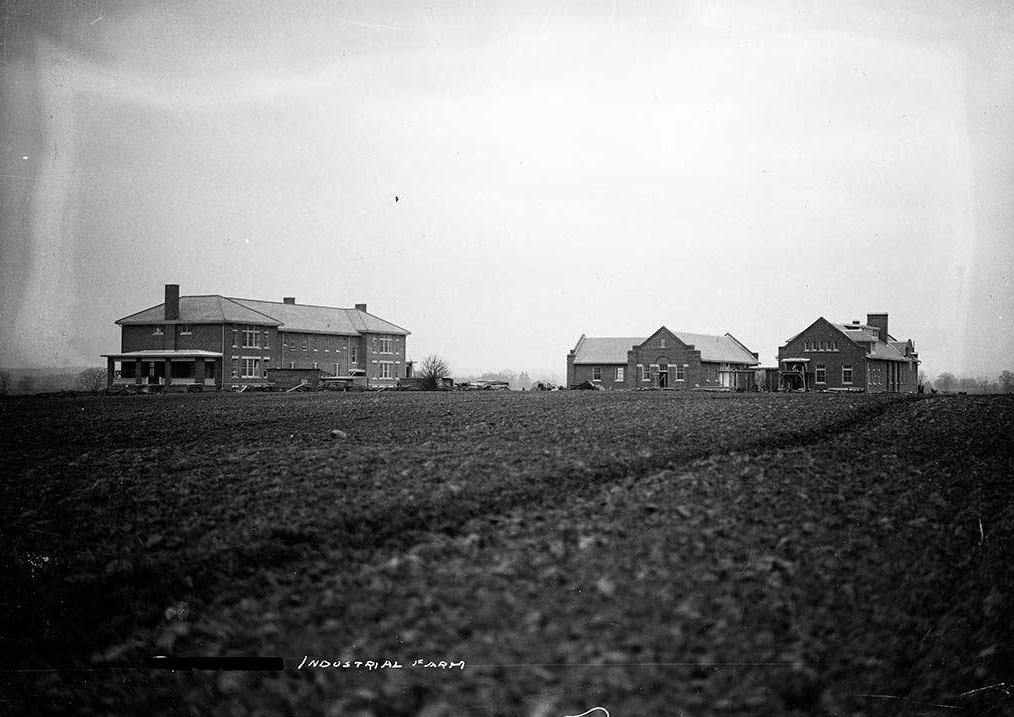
96,20
999,685
982,535
588,712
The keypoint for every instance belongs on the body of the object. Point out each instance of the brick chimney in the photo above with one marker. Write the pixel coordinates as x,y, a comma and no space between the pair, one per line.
880,321
361,307
289,300
172,302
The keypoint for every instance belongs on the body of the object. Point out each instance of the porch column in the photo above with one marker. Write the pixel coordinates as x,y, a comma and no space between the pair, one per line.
168,372
110,370
199,371
137,371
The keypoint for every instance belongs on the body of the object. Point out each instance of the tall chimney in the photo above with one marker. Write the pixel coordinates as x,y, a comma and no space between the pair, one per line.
172,302
361,307
880,321
289,300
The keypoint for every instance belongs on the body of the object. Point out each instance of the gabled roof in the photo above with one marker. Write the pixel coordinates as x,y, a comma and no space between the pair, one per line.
216,309
885,352
212,309
860,333
613,349
864,334
718,349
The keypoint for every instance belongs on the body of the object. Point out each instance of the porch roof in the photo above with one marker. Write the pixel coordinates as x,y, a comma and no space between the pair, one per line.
156,353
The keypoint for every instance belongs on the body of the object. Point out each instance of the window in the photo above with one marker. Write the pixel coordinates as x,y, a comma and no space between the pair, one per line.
316,343
821,373
156,330
234,338
292,364
835,344
267,334
250,367
596,373
681,373
661,342
327,343
251,337
306,343
355,354
385,369
643,370
337,369
846,373
185,330
235,368
316,365
386,345
619,373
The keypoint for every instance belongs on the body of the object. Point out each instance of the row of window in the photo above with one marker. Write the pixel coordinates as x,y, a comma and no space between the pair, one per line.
643,372
820,346
821,374
315,345
251,367
249,337
181,330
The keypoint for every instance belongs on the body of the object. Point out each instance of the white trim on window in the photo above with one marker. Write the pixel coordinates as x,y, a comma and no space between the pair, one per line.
250,367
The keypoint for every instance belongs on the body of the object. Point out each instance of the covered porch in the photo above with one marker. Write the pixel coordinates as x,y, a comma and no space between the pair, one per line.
792,374
185,369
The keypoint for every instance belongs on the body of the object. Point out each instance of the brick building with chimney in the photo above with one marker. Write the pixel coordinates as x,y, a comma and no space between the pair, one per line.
849,357
213,341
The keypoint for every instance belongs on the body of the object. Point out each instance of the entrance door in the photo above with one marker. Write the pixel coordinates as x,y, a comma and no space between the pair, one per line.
663,374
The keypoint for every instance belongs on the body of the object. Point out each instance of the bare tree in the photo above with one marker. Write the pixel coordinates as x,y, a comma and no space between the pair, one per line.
945,382
92,379
1006,382
434,369
26,384
5,383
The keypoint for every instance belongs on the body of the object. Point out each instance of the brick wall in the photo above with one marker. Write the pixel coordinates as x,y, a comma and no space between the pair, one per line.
372,357
651,354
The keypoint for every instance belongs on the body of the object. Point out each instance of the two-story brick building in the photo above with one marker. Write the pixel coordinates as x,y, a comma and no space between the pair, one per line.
852,357
215,341
667,359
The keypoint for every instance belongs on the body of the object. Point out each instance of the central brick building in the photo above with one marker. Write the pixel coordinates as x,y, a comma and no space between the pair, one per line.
667,359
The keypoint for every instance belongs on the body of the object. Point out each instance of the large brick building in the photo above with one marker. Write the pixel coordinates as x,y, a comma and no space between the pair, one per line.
666,359
216,341
855,357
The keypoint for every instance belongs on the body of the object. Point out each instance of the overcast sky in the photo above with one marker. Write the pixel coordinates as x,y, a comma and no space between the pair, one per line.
562,168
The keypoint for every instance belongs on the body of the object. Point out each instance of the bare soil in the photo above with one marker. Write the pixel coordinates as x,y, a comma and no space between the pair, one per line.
650,553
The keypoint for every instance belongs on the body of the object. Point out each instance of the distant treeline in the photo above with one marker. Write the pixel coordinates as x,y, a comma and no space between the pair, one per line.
949,383
21,381
519,381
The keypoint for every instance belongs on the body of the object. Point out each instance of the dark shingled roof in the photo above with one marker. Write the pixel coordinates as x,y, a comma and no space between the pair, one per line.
287,317
613,349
